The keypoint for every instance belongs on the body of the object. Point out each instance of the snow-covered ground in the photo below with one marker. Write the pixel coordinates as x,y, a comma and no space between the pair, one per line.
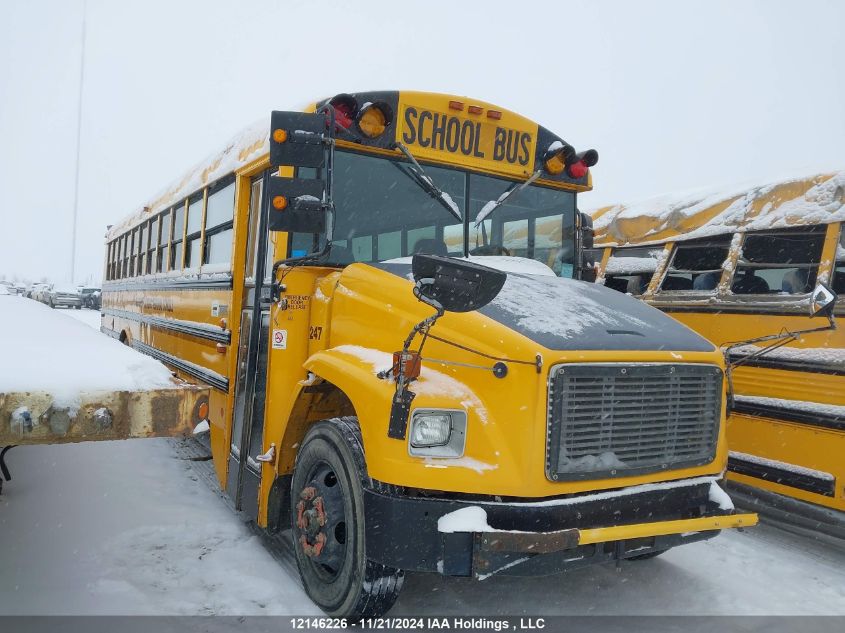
88,317
132,527
127,528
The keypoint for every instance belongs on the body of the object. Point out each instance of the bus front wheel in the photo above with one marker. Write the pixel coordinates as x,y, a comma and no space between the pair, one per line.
327,521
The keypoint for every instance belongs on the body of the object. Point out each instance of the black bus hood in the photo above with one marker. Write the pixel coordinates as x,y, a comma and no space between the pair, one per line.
568,315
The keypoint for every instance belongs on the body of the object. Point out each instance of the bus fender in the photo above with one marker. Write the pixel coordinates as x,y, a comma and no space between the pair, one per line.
338,384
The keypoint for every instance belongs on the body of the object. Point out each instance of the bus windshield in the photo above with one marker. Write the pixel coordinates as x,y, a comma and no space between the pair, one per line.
381,213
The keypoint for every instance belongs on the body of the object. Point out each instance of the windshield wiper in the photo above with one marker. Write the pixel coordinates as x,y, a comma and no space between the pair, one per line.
418,175
492,205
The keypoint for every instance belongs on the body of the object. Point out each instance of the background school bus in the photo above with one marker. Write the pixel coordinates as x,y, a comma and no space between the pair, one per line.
738,264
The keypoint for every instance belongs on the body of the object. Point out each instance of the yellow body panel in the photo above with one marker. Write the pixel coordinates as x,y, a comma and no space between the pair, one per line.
815,448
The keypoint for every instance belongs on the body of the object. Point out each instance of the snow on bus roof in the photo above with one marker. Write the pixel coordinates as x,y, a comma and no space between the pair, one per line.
249,144
816,199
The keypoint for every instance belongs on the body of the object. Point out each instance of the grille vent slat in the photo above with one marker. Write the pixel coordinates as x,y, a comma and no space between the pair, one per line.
615,420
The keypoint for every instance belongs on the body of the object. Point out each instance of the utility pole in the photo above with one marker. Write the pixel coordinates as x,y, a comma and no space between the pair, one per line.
78,143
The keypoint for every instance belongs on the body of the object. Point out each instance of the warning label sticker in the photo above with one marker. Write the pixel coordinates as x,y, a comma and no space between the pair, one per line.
280,339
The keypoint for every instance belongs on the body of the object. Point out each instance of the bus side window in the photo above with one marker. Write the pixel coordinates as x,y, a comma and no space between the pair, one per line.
696,266
178,232
219,215
630,269
192,239
164,233
839,270
784,262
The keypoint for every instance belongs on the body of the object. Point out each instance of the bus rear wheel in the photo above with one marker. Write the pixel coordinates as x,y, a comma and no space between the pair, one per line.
327,521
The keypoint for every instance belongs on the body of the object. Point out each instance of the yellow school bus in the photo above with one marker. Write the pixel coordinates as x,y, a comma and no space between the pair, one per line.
406,373
739,265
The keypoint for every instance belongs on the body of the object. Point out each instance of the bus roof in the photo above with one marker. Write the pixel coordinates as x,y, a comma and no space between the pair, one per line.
817,199
246,146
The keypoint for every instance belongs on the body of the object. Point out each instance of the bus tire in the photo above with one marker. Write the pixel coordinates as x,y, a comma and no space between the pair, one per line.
327,523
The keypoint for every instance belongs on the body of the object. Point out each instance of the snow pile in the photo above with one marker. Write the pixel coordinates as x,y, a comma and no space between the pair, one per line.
44,350
832,410
792,468
469,519
747,207
825,355
590,463
632,265
718,496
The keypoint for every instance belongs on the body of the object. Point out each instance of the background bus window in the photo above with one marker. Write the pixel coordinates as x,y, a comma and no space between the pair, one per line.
218,226
177,234
453,237
696,266
630,269
192,237
548,236
783,262
163,250
515,237
839,270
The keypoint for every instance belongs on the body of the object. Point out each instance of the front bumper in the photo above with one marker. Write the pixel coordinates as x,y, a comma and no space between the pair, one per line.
547,536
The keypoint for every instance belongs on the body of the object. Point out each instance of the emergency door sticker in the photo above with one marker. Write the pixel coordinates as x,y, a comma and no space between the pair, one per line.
280,339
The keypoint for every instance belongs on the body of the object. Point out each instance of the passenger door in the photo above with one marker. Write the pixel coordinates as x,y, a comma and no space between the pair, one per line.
244,473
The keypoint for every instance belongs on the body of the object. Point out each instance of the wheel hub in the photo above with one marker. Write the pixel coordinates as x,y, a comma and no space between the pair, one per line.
310,519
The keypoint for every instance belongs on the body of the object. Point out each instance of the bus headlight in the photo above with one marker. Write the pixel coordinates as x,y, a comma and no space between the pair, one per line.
437,433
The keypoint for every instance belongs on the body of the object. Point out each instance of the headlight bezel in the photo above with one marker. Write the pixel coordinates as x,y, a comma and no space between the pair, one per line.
456,442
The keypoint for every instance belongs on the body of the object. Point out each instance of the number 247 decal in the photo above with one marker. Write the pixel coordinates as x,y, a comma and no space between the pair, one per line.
315,333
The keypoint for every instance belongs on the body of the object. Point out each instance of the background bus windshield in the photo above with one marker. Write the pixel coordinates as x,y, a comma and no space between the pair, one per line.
382,213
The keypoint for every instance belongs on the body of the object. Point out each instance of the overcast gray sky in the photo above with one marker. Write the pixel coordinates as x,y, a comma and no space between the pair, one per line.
674,95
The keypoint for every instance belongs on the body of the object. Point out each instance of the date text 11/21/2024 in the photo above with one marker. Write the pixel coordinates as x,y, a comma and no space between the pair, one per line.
427,623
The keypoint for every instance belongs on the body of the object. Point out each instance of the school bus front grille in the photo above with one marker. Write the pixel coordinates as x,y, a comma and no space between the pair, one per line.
616,420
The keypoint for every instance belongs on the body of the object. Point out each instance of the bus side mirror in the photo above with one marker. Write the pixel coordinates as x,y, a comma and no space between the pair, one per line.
298,139
296,205
822,301
455,285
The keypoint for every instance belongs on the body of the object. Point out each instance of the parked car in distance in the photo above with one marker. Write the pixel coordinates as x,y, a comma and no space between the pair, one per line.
9,286
64,296
38,291
21,288
90,297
